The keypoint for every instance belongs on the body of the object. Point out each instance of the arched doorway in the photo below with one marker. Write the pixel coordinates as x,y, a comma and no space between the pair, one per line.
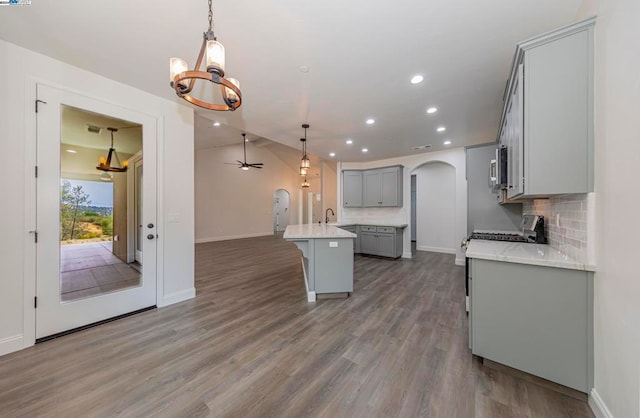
435,207
281,210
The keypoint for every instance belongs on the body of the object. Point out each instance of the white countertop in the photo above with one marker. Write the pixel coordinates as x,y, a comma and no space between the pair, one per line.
523,253
370,223
310,231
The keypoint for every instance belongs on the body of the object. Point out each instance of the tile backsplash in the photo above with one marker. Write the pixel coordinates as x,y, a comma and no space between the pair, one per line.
568,223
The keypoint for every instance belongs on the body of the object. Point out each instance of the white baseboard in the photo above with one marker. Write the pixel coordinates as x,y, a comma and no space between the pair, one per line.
407,255
11,344
460,261
176,297
598,406
436,249
230,237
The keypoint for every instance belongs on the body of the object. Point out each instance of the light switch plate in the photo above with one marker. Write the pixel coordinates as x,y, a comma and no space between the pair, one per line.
333,244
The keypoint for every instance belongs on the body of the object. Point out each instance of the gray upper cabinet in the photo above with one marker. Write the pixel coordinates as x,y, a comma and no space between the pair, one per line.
547,121
383,187
352,188
379,187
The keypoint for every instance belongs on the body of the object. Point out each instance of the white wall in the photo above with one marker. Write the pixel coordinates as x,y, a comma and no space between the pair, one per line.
19,68
232,203
454,157
435,208
617,154
329,192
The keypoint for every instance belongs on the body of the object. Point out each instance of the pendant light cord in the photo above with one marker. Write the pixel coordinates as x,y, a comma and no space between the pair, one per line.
210,17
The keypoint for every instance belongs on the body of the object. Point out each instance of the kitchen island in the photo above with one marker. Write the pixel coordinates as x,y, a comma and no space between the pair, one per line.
327,257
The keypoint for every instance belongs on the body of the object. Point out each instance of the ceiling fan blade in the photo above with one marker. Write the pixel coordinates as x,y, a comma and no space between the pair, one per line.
256,164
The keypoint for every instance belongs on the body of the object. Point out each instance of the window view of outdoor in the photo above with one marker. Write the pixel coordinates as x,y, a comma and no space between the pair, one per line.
100,157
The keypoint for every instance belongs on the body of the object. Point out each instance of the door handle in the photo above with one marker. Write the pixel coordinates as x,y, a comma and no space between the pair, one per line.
150,225
151,236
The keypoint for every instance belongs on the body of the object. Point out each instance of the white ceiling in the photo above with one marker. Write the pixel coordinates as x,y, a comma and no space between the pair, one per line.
75,122
360,55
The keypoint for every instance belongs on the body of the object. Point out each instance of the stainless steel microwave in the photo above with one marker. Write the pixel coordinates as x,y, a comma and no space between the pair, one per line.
498,178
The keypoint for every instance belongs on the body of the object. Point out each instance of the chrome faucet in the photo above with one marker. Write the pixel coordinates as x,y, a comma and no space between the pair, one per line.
326,215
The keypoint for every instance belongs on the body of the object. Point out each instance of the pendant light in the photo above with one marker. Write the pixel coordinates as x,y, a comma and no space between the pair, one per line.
105,163
305,184
305,164
182,80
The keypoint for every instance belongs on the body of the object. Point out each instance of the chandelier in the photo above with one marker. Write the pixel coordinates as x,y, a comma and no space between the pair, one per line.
183,80
305,184
305,164
104,164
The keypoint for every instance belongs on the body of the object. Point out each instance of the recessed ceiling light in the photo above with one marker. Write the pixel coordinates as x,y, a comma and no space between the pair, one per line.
71,151
447,142
371,121
216,123
417,79
332,154
441,129
365,150
349,141
432,110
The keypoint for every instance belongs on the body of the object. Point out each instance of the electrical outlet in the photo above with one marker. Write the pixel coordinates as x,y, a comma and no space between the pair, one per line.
333,244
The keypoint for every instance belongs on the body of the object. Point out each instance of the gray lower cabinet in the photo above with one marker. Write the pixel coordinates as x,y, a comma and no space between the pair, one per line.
534,318
384,241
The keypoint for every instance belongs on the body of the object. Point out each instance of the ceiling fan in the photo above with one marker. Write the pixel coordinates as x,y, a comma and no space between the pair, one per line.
244,165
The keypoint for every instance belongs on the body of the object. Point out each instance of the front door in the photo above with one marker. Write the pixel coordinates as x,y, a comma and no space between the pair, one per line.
83,272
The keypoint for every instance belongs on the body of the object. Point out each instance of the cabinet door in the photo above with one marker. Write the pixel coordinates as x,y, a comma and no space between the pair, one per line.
386,245
352,189
368,243
391,184
372,188
558,125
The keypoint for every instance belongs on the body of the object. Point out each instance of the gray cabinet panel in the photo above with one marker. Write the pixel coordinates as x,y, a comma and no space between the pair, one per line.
372,186
556,115
380,187
391,187
384,241
368,243
386,245
533,318
334,266
352,188
547,121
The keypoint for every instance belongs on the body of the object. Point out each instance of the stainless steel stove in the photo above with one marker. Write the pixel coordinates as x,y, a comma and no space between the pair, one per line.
498,236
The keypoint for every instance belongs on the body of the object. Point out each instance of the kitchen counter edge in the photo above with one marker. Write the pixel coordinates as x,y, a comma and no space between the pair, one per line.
524,253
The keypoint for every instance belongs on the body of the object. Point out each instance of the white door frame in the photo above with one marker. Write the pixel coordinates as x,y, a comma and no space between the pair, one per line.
30,160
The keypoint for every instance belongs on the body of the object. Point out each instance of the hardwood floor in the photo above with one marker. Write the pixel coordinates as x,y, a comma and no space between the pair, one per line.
249,345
